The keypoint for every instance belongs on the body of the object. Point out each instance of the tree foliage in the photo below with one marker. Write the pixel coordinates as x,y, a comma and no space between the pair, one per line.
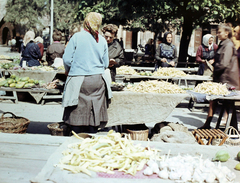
34,13
25,12
186,14
107,8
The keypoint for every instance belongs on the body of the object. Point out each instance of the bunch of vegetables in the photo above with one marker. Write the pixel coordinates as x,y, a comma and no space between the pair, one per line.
192,169
126,70
154,86
212,88
17,82
7,65
145,73
166,71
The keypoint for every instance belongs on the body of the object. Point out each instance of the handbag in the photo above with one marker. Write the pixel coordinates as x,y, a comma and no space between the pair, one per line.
233,137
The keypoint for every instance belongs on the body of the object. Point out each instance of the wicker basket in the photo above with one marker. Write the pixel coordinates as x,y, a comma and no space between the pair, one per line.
58,129
141,135
14,124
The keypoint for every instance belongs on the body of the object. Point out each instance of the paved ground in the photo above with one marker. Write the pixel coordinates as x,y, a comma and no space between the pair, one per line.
41,115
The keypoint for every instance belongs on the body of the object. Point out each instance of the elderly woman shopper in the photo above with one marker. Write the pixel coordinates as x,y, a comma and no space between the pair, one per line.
30,51
205,55
166,53
87,90
115,50
39,41
225,67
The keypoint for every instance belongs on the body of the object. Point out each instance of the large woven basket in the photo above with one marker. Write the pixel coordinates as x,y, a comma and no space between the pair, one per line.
14,124
58,129
141,135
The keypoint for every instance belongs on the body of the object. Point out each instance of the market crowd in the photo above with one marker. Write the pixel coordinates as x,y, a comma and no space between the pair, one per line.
90,58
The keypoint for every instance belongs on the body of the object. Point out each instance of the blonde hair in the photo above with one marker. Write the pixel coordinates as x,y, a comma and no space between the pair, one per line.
38,39
29,36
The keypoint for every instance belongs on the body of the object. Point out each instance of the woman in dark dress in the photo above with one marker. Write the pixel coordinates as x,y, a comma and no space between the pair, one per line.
30,51
166,53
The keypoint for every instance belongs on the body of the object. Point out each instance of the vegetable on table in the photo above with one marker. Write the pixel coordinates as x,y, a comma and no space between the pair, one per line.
221,155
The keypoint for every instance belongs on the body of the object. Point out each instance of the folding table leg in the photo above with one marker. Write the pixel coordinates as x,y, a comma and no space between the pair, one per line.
15,96
220,116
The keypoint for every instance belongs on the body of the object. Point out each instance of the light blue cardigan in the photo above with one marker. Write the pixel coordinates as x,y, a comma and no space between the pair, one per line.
81,57
85,56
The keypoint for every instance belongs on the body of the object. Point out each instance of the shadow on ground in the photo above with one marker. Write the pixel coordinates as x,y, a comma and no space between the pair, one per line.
38,127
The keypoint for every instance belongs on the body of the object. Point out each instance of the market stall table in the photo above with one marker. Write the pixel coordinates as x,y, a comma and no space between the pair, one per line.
228,104
46,76
187,70
37,93
52,173
129,107
177,79
22,156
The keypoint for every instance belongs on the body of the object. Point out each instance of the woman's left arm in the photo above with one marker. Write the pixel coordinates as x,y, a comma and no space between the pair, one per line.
105,56
69,53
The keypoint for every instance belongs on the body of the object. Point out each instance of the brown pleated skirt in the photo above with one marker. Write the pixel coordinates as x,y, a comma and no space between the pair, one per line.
92,104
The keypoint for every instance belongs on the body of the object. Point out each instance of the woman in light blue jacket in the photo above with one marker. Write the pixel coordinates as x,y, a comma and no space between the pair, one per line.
86,89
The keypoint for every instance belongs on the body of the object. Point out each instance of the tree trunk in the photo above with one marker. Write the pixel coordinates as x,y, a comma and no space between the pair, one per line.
185,39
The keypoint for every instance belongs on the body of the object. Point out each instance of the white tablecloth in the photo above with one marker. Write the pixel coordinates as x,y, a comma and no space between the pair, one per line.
135,108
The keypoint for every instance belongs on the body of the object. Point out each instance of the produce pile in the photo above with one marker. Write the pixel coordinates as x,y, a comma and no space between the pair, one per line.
17,82
15,66
7,65
113,152
165,71
126,70
115,86
105,154
5,57
212,88
37,68
155,86
192,169
142,73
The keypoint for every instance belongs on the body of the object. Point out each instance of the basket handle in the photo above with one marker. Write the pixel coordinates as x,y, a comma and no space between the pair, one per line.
9,113
230,129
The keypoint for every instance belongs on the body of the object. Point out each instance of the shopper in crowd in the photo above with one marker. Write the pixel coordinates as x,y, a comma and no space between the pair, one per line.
18,43
30,51
121,42
115,51
166,53
149,48
56,49
87,90
226,68
237,36
76,27
39,41
205,55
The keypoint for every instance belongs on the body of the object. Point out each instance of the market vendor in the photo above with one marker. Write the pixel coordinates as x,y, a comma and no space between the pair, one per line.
166,53
30,51
115,50
85,93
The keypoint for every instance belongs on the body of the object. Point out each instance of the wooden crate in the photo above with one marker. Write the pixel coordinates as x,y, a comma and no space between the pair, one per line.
209,134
